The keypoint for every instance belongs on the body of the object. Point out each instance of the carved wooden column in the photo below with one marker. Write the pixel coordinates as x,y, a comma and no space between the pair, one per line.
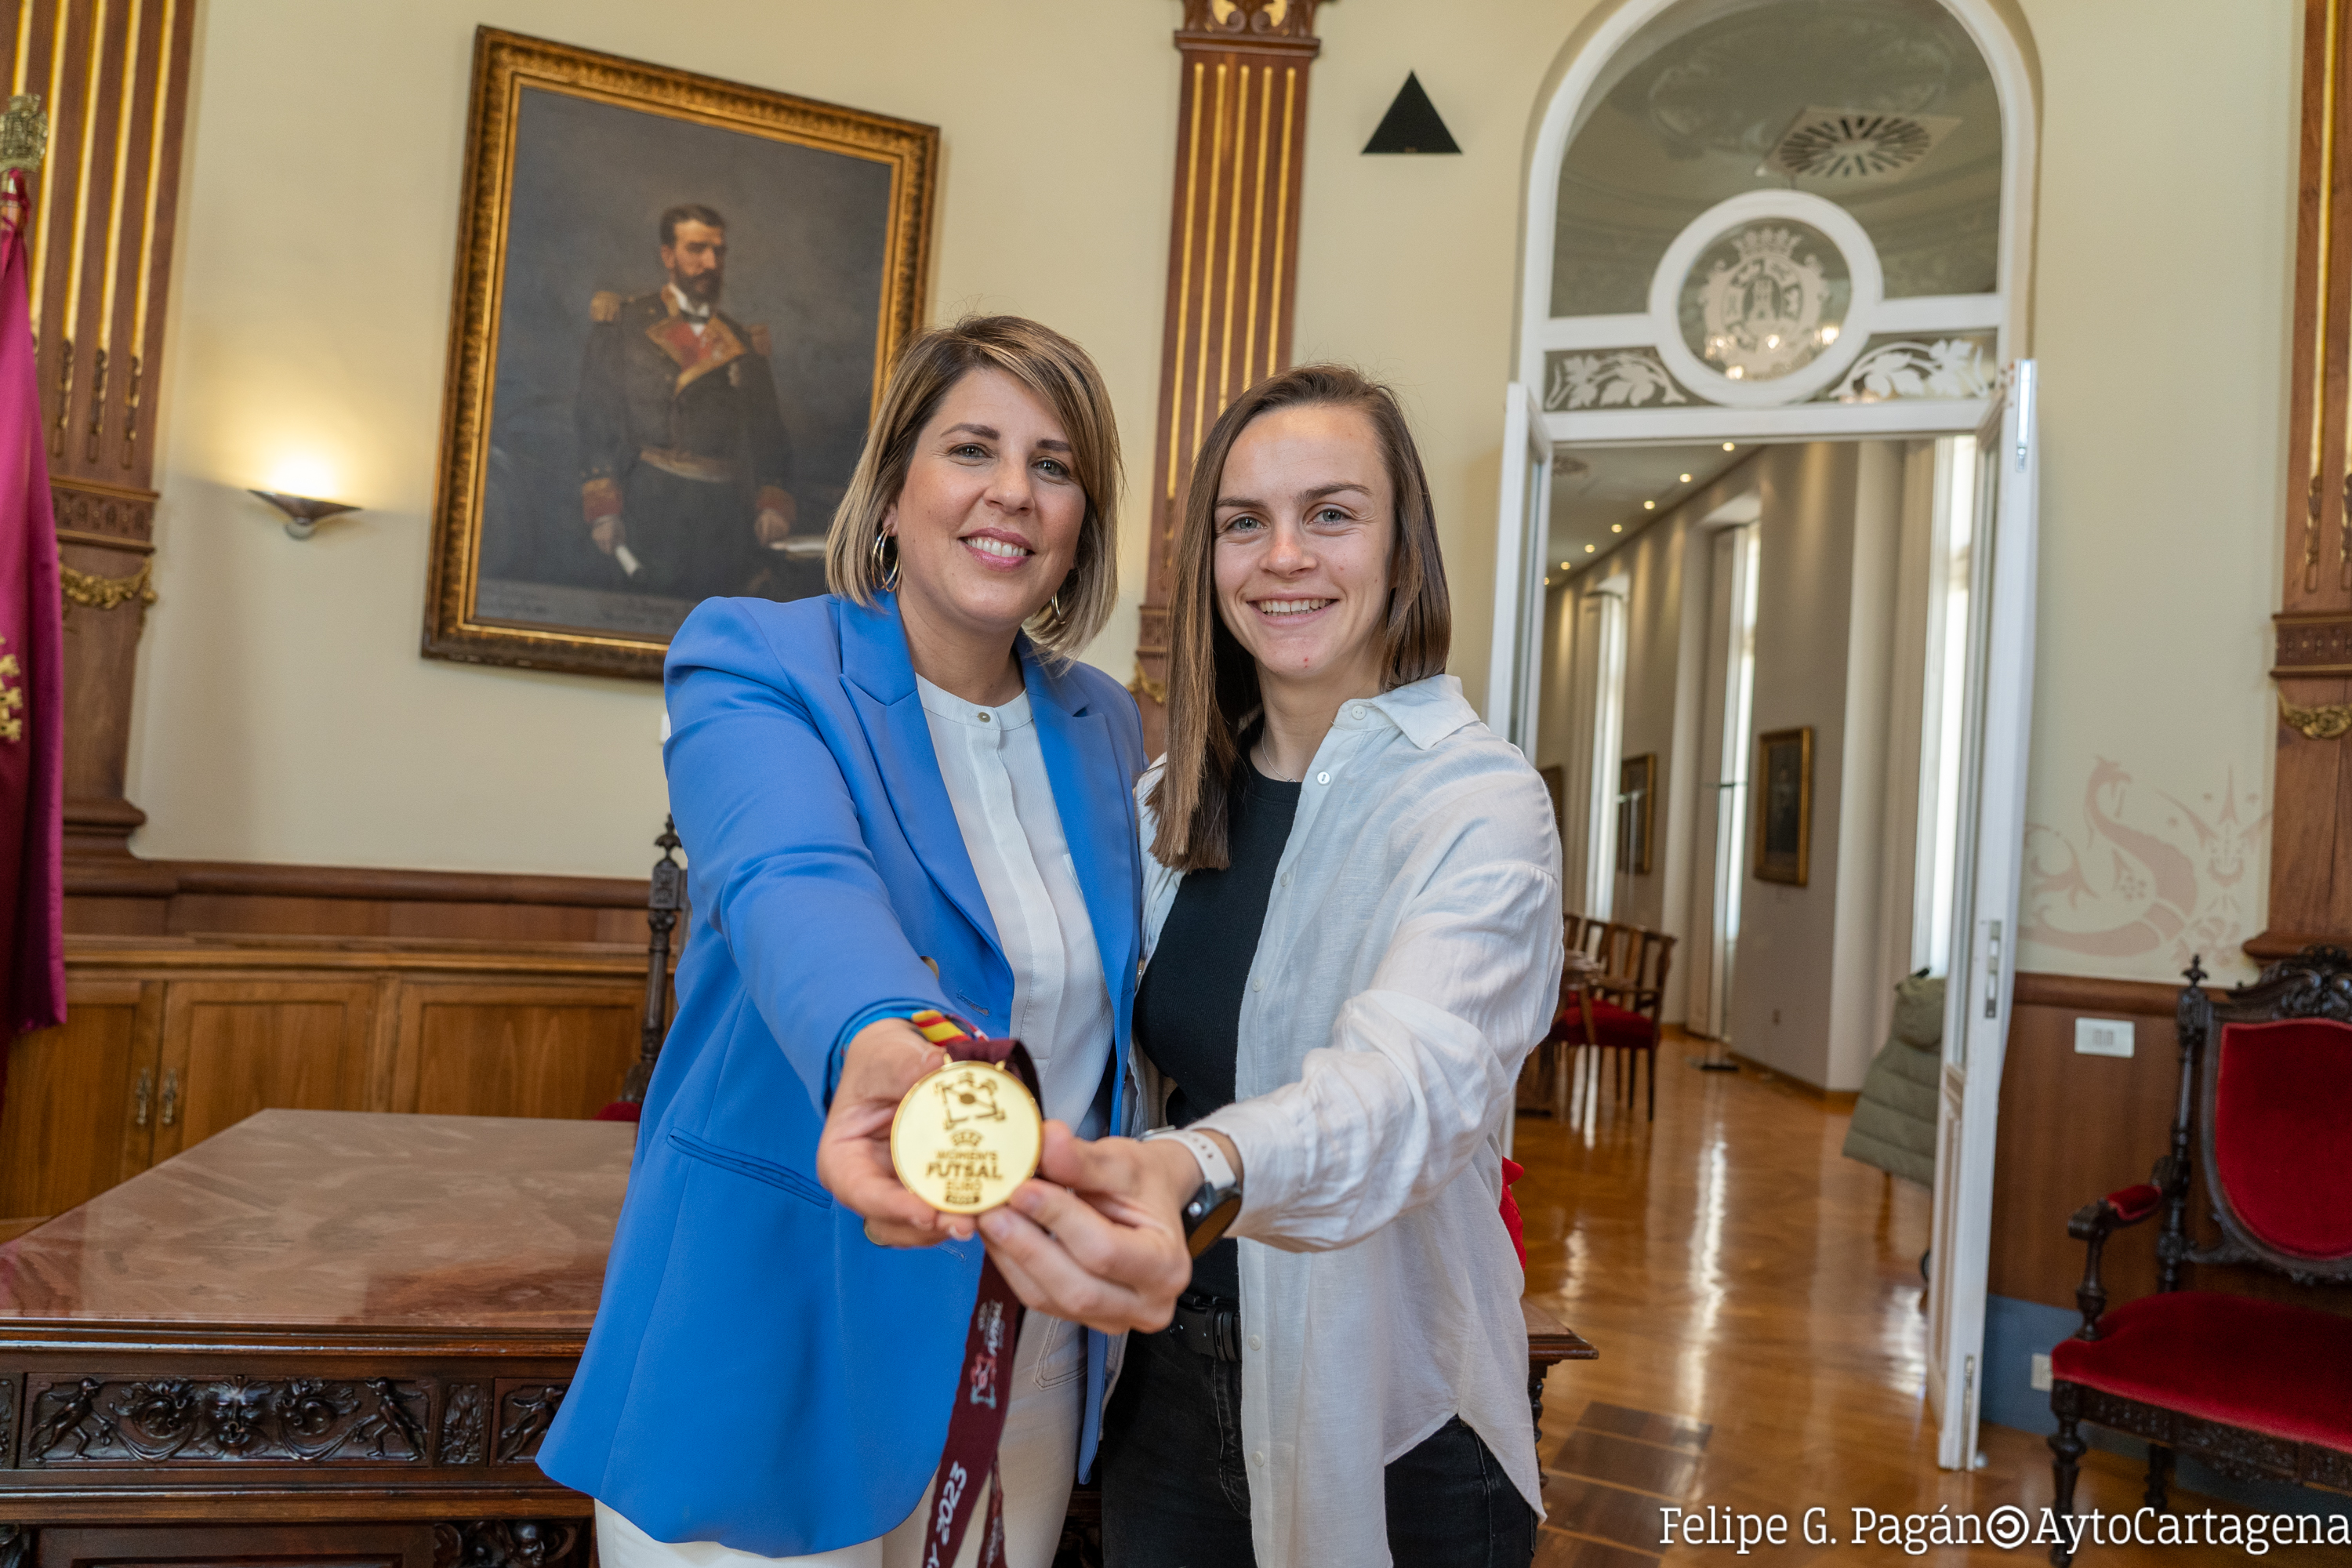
1232,260
112,76
2311,839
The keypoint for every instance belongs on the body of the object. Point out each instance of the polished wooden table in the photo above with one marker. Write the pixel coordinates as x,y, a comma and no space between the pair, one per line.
326,1336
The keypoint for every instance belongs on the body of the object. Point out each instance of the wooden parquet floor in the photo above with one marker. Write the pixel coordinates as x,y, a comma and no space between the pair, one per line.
1757,1302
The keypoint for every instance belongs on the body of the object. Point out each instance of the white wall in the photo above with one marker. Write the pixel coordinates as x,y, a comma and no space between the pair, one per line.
282,711
2167,175
1654,562
1780,983
1807,987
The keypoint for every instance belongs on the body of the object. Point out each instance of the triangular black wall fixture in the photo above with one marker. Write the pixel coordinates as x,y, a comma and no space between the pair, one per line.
1412,124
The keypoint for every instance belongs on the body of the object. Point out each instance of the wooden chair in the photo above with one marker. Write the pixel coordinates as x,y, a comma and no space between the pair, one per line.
1618,1009
664,898
2257,1389
1554,1059
1585,936
1628,1002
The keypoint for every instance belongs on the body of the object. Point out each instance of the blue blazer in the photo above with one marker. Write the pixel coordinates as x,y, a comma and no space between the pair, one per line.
760,1374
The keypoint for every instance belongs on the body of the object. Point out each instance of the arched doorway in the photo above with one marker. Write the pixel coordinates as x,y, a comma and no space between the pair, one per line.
1797,225
1708,172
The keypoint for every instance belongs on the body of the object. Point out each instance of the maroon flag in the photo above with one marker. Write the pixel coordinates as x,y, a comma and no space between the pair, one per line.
32,688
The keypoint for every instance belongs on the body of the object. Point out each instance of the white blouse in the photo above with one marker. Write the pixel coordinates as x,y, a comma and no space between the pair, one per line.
1003,800
1409,958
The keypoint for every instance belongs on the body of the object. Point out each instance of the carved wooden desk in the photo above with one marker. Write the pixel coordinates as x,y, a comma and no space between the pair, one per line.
319,1336
328,1337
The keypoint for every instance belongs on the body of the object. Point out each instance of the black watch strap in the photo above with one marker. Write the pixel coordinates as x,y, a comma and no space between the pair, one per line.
1207,1214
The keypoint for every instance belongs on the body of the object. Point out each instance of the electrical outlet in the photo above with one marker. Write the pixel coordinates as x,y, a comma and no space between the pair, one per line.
2042,1374
2103,1037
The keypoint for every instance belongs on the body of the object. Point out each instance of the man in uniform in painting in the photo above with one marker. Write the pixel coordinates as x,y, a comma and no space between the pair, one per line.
685,471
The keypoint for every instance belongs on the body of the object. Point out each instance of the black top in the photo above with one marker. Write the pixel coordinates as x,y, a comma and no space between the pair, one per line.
1188,1010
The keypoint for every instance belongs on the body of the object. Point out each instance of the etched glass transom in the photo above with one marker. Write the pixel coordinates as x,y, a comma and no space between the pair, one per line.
1765,300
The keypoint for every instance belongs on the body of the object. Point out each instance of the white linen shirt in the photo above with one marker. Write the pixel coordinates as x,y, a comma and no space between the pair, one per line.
1409,959
1003,800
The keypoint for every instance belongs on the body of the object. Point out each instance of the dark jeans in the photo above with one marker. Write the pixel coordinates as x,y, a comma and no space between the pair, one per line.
1175,1483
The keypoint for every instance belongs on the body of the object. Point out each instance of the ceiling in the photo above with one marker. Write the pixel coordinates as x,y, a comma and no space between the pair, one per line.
1597,494
1713,98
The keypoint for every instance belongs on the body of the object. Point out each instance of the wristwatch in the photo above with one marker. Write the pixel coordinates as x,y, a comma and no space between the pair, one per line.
1218,1199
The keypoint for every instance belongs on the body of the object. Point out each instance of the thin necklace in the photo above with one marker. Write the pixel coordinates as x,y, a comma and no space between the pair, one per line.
1266,772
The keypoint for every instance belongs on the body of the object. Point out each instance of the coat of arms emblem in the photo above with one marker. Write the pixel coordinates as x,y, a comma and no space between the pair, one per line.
969,1097
1762,308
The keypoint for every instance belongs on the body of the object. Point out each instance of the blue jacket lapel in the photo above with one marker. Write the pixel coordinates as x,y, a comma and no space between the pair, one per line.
880,680
1090,793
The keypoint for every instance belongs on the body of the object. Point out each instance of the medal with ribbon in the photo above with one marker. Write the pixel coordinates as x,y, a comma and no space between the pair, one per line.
964,1139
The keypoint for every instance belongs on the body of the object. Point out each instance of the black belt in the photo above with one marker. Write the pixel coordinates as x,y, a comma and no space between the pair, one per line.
1207,1326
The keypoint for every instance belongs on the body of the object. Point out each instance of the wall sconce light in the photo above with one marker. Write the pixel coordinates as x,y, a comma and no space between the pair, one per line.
303,513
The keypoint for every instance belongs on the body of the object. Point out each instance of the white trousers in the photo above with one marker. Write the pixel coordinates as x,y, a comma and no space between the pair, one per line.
1037,1459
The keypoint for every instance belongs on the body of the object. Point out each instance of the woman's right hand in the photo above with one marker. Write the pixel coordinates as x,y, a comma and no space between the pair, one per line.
1098,1238
853,1153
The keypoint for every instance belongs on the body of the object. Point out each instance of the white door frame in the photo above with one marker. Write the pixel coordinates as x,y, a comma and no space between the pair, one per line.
1996,735
1522,536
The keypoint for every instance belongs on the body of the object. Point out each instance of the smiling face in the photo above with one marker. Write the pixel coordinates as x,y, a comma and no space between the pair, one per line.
1306,521
987,522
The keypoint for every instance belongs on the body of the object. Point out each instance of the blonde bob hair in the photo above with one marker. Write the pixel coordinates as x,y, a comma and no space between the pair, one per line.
1212,685
1058,373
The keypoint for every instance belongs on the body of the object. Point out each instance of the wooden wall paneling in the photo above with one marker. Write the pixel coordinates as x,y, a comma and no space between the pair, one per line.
2073,1127
514,1049
76,1120
232,1046
234,899
2311,850
113,78
222,1027
1232,261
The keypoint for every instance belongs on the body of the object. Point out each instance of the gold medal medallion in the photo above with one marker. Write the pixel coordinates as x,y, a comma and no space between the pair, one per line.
966,1136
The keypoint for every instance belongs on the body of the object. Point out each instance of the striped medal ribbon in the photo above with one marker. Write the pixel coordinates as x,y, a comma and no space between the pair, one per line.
984,1389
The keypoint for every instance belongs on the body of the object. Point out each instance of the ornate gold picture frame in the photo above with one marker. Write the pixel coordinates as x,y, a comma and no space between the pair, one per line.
677,300
1784,805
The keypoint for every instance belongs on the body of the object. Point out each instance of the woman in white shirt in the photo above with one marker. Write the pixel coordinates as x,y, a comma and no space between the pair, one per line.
1352,929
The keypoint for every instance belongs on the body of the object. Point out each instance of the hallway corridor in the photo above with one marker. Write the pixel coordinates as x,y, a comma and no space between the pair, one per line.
1757,1302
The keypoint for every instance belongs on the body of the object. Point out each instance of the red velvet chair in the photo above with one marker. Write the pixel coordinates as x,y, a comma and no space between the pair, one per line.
1630,1003
2256,1389
1619,1008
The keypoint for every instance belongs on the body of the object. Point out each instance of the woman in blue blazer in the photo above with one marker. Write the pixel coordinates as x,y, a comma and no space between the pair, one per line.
893,797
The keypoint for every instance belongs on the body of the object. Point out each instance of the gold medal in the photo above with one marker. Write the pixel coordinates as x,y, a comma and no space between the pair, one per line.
966,1136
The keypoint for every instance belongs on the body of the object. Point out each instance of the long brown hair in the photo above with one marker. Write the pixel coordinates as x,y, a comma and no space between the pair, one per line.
1213,688
1058,373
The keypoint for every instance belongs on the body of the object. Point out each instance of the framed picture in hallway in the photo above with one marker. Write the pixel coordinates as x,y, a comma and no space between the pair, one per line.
1637,790
1784,805
676,300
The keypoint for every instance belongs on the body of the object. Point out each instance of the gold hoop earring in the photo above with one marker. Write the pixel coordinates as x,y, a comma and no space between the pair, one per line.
1059,613
886,575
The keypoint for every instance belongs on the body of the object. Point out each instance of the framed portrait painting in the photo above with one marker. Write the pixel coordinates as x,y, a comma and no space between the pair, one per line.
1637,790
1784,805
676,300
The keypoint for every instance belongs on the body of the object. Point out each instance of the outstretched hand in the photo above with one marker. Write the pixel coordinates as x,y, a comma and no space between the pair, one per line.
1100,1237
853,1153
